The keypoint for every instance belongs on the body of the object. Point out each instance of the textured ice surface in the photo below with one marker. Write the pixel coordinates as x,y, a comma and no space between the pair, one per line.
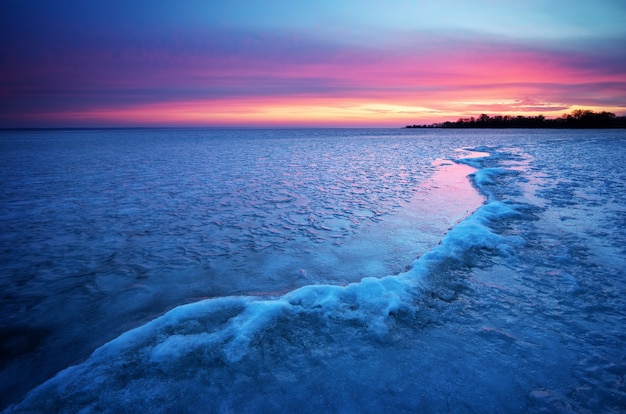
104,230
520,308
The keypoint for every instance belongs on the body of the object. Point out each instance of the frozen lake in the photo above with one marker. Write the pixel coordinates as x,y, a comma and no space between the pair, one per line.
337,270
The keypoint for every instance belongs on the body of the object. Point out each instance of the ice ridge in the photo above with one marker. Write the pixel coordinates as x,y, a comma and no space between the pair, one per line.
225,330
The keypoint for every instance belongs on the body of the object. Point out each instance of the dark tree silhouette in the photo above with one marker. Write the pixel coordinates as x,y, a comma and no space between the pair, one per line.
579,118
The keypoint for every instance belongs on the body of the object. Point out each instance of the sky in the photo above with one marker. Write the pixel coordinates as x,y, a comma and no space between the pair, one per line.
348,63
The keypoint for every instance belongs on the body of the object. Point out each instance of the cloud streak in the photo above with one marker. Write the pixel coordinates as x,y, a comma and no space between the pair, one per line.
238,76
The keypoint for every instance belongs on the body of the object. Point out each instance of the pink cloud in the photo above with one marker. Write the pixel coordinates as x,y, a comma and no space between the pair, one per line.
243,78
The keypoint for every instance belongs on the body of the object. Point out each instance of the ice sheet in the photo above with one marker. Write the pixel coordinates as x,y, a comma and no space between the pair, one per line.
520,308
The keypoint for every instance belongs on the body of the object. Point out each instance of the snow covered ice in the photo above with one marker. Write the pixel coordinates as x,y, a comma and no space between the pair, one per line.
314,271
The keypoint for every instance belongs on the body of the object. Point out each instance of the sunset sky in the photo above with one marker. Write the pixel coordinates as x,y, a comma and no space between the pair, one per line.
305,63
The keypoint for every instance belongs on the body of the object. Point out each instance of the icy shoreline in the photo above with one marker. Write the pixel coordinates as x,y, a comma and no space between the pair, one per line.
520,308
225,330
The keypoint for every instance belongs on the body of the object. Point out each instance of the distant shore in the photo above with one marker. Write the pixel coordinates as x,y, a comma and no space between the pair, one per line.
578,119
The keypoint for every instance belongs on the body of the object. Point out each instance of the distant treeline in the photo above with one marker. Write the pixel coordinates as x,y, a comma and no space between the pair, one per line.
580,118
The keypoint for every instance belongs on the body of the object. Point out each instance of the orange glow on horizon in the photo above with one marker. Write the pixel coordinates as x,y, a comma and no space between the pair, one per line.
390,93
386,90
309,112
